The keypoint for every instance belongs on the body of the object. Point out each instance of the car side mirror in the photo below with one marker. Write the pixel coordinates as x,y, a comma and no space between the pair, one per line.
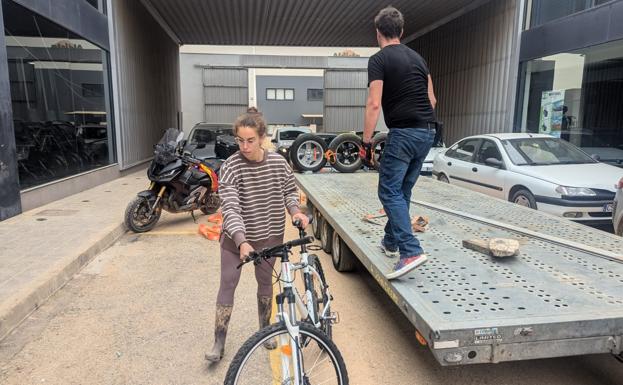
274,141
201,145
596,157
493,162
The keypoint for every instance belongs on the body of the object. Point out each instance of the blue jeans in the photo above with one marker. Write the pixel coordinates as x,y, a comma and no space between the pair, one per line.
403,155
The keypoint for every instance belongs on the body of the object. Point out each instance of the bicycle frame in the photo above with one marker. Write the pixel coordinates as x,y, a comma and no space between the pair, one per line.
291,295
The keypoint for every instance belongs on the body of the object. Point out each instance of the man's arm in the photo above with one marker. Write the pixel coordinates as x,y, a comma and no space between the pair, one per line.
431,92
373,109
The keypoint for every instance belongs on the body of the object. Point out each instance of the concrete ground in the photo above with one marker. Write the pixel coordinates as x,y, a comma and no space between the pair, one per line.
142,313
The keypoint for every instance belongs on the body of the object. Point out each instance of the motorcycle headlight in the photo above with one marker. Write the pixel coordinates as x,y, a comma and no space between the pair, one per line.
575,191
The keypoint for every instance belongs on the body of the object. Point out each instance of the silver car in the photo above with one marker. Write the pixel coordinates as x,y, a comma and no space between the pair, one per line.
617,216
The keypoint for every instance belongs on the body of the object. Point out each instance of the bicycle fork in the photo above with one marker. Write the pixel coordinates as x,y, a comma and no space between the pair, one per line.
289,345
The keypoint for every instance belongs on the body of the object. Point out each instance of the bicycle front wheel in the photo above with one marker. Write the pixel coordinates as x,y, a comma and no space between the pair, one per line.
321,361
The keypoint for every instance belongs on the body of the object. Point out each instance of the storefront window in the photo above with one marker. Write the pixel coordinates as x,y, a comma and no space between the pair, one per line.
543,11
577,96
59,98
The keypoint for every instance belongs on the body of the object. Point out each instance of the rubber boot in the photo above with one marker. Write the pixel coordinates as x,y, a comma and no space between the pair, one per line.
221,322
264,309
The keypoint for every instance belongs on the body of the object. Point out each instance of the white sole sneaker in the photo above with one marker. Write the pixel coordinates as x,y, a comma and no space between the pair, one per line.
389,253
407,268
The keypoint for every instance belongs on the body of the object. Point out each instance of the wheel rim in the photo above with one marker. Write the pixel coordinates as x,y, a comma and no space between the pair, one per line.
522,200
140,215
378,151
261,366
347,153
443,179
335,249
309,154
315,222
323,235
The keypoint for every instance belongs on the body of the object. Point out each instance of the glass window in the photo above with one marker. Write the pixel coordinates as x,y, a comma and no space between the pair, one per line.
577,96
289,93
543,11
487,150
464,150
315,94
280,94
270,94
58,96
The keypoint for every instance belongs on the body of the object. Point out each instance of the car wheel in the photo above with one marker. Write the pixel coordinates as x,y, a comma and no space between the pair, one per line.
524,198
307,153
345,150
443,178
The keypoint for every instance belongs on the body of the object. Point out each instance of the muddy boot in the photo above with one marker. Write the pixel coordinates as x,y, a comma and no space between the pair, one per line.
221,321
264,309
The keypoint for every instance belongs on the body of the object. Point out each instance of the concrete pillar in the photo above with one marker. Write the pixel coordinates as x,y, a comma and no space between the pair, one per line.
10,203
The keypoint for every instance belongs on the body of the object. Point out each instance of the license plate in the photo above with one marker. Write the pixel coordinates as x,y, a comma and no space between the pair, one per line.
608,207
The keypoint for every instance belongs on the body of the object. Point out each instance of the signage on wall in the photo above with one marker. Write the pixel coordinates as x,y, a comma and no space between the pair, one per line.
552,103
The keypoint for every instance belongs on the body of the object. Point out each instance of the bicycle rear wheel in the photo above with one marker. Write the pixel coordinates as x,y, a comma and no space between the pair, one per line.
320,297
254,365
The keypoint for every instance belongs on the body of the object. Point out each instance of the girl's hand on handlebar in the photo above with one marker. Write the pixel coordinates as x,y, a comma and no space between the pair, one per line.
302,220
245,250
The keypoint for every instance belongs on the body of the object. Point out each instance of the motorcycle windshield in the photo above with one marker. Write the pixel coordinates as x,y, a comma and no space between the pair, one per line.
170,136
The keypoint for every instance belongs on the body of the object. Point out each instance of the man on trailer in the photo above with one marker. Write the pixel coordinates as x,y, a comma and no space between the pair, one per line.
400,82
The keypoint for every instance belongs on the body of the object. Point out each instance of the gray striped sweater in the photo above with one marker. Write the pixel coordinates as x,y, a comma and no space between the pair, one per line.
254,198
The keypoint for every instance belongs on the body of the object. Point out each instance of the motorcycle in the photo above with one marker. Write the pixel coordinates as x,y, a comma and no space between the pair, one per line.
180,182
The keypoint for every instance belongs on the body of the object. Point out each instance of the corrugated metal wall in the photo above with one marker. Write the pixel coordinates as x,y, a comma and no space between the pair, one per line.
473,62
226,93
345,95
147,89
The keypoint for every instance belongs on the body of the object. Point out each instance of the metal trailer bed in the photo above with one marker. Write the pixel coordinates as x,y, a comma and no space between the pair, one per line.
561,296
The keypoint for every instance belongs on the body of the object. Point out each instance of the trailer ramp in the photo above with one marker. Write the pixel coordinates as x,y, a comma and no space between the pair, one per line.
560,297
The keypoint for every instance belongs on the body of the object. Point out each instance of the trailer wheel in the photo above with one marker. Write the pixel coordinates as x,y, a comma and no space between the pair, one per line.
342,257
346,150
326,234
307,153
316,223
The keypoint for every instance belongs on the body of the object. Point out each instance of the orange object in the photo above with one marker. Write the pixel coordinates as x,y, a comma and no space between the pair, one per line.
419,223
286,349
212,233
420,338
216,218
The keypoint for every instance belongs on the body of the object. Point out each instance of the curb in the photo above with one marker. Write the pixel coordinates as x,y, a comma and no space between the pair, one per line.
23,303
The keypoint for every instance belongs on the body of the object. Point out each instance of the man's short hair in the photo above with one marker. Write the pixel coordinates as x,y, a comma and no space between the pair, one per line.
389,21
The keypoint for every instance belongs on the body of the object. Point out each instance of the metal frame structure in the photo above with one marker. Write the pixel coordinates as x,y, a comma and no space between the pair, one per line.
559,297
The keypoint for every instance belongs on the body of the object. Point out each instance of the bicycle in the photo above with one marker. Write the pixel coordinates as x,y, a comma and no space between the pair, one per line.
305,354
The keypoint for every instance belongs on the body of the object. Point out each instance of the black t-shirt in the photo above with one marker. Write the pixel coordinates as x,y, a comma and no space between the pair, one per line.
405,86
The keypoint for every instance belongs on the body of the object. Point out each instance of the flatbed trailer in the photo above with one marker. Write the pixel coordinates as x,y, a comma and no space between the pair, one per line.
561,296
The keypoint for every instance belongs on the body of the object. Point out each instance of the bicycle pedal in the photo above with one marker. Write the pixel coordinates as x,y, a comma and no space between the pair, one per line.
334,317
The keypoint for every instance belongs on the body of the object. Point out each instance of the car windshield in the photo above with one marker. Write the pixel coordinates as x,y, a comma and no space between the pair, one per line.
544,152
208,135
289,135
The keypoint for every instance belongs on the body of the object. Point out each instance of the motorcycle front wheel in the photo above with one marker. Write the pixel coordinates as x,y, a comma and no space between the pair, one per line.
137,216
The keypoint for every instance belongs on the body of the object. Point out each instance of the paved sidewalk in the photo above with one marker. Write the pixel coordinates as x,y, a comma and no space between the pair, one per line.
41,249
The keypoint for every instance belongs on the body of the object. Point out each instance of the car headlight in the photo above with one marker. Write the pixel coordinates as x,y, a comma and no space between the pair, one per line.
575,191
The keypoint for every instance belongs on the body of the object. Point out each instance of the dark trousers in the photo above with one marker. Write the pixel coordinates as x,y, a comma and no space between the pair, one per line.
403,155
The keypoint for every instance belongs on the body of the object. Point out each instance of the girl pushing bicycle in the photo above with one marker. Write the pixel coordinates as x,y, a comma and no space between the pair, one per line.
256,189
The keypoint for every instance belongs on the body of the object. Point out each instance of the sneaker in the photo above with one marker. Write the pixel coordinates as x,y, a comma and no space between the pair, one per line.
389,253
405,265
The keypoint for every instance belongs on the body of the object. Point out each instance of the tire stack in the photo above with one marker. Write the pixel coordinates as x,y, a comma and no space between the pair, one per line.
310,153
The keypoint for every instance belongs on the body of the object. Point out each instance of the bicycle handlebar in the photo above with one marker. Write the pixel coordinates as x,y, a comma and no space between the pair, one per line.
297,223
276,251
